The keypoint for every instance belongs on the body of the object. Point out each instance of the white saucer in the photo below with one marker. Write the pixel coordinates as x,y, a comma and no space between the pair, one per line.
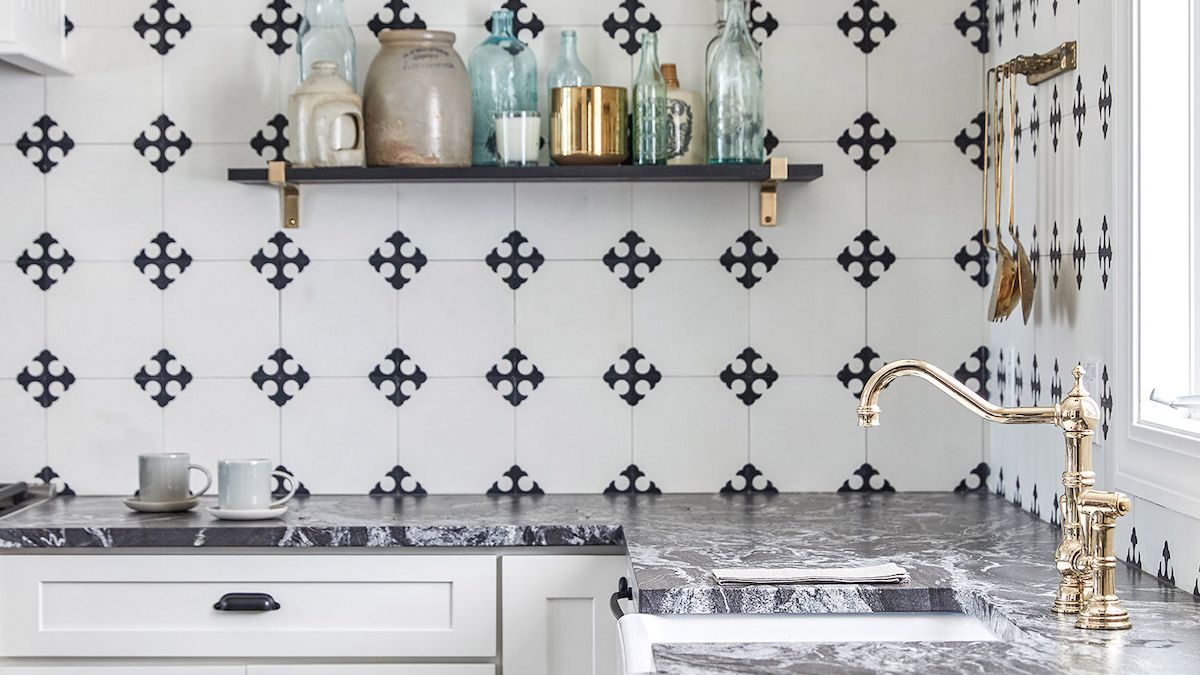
162,507
247,514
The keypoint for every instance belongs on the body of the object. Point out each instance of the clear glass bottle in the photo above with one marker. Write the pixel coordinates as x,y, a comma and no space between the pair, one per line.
650,107
503,79
325,35
568,70
735,94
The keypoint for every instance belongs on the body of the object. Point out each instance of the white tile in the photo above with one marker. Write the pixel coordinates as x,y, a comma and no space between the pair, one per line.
221,319
340,437
782,309
815,218
690,435
803,436
949,70
108,13
574,435
573,318
573,220
24,103
907,12
456,221
112,185
1095,54
683,299
224,12
322,302
97,431
104,320
21,192
23,428
23,333
688,220
791,85
223,418
916,310
923,199
686,46
1153,525
1066,21
436,13
345,222
1047,445
1185,550
805,11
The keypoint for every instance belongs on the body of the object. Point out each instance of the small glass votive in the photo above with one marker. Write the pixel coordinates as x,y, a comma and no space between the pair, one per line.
518,134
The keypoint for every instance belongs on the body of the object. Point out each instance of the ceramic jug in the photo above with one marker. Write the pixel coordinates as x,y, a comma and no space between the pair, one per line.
327,119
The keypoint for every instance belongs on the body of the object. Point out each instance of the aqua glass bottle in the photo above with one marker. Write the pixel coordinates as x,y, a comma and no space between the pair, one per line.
325,35
735,94
503,79
568,70
650,107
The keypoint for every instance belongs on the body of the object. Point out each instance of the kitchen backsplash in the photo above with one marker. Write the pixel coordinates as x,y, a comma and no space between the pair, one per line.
466,338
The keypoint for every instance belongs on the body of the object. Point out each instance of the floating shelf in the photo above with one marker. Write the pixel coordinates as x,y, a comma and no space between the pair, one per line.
770,174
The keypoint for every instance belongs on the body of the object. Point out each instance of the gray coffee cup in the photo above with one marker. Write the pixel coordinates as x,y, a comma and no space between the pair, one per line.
245,485
164,477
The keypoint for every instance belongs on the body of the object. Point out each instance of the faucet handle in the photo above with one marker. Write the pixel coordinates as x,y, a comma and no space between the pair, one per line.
1079,412
1103,610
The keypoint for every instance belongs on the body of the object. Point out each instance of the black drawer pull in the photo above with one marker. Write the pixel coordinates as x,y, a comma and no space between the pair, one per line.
623,592
246,602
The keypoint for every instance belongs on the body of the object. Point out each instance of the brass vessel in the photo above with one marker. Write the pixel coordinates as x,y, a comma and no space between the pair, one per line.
588,125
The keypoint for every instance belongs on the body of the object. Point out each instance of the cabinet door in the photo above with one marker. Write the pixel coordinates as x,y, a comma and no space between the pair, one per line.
375,669
556,615
122,670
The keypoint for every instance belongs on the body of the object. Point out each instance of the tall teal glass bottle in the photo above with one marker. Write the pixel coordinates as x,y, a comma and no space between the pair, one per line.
503,79
650,107
735,94
568,70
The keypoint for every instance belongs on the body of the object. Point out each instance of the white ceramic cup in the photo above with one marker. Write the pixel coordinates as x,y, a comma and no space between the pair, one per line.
164,477
517,138
245,485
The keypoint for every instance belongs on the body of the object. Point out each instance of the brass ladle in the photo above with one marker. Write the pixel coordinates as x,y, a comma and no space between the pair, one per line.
1025,286
1001,303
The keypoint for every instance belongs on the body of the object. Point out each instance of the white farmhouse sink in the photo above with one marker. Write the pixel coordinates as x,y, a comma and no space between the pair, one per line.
639,632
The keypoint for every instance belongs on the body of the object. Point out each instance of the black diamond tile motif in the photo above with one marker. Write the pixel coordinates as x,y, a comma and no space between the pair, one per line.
533,25
1035,382
1018,380
998,19
1104,253
981,473
865,473
1002,377
1079,110
846,375
281,490
515,259
970,141
398,377
762,23
162,19
749,259
1056,254
1016,17
517,370
162,261
273,24
1106,402
271,148
1132,555
60,143
973,25
68,26
1000,483
397,474
165,139
1035,125
398,260
47,378
770,142
281,377
750,378
631,24
1165,572
1055,118
866,259
514,476
630,371
866,140
50,477
634,257
1018,130
1079,254
1056,388
1034,507
1055,513
45,262
979,257
869,25
632,475
1035,255
749,474
1016,498
163,377
976,376
278,258
402,15
1104,102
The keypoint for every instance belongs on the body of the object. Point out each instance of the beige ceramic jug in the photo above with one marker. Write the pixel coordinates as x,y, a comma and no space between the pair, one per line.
326,116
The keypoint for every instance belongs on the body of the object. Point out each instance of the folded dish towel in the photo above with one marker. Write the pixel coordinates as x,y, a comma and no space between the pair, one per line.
887,573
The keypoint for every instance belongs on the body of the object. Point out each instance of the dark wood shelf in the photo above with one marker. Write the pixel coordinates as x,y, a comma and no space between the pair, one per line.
724,173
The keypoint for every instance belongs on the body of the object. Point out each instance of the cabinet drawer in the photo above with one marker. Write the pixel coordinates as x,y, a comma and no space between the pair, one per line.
329,606
372,669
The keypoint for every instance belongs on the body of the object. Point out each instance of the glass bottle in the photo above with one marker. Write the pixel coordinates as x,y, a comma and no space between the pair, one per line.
735,94
325,35
650,107
568,70
503,79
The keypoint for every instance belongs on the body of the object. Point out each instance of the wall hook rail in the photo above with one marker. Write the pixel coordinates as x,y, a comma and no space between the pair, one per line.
1038,68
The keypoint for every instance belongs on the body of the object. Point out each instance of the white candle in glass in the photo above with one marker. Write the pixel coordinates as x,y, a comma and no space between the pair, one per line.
518,134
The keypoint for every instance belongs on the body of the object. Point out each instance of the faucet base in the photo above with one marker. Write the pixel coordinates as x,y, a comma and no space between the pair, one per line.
1104,613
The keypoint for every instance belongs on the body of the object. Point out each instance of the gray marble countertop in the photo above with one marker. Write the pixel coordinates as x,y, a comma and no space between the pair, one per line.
968,553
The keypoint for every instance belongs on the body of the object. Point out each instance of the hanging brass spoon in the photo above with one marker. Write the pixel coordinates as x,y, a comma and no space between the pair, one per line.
1001,304
1025,283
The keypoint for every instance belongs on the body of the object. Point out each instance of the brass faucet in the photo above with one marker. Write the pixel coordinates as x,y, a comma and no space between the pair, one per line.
1086,556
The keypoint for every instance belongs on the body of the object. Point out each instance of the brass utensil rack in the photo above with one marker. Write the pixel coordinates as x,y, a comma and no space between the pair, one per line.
1038,68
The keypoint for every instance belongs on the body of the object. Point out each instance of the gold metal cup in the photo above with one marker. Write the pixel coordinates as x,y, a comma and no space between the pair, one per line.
588,125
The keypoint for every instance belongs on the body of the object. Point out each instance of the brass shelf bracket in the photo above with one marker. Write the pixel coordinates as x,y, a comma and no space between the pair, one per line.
1038,68
768,197
289,194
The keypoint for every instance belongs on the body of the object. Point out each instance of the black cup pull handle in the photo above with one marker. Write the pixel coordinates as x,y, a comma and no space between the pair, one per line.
246,602
623,592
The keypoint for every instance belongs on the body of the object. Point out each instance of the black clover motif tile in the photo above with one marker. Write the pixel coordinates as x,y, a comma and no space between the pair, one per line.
981,473
1035,125
865,473
866,259
60,143
632,258
1056,387
1104,253
979,257
398,260
397,474
1034,507
47,378
68,26
167,136
515,259
770,142
50,477
515,370
162,19
750,378
1035,382
1106,402
279,258
1165,572
976,376
1035,255
1079,254
632,475
1104,102
1018,130
281,490
870,25
1054,6
533,25
866,140
45,262
762,23
846,375
1056,254
1001,377
514,476
1055,118
162,260
970,141
281,377
1055,517
631,370
1079,110
751,261
1016,17
1016,498
273,24
1000,483
398,377
1019,380
749,474
402,15
1132,555
271,148
631,24
163,377
998,19
973,24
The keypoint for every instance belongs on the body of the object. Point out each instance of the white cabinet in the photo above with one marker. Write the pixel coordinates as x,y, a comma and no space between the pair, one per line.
556,618
373,669
31,35
122,670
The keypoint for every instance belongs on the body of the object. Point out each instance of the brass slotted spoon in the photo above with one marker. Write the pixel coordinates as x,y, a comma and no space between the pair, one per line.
1001,303
1025,282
